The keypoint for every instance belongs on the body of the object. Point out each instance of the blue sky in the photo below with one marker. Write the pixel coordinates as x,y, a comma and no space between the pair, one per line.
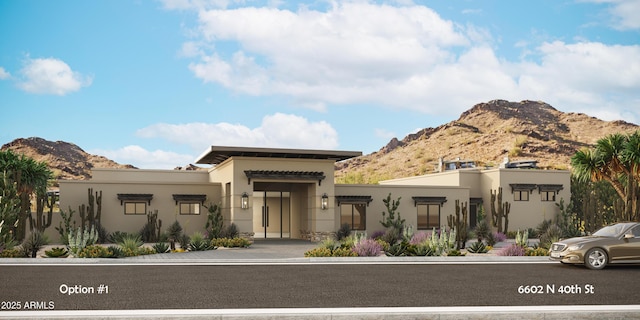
154,83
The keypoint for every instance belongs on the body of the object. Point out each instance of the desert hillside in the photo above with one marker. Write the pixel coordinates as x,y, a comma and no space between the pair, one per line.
66,160
486,133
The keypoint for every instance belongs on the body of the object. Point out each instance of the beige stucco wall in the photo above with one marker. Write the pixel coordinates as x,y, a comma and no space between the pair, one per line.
306,197
526,214
407,207
161,183
523,214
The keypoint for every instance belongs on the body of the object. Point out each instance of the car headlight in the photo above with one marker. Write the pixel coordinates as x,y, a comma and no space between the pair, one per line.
575,247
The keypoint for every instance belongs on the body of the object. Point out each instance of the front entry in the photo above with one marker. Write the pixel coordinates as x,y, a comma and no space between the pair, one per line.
272,214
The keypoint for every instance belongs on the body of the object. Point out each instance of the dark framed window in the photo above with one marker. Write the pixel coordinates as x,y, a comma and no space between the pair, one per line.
548,195
135,207
520,195
428,215
189,208
354,214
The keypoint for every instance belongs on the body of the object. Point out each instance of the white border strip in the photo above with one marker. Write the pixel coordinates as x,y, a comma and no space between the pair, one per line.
573,309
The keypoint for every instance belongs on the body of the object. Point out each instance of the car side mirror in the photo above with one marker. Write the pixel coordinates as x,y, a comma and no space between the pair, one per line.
629,236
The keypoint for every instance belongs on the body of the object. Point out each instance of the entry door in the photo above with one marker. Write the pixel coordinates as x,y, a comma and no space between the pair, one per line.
274,216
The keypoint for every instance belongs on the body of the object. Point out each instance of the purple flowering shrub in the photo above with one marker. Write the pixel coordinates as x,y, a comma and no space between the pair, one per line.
367,248
512,250
499,237
419,237
377,234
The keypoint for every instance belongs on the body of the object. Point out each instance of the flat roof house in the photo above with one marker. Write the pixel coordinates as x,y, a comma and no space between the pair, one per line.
291,193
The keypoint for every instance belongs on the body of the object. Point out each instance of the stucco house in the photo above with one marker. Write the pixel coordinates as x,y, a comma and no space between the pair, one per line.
291,193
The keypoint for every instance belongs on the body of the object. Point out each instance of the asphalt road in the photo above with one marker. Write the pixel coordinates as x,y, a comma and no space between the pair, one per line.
76,287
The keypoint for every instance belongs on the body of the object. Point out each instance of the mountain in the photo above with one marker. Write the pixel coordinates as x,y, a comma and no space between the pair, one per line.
66,160
486,133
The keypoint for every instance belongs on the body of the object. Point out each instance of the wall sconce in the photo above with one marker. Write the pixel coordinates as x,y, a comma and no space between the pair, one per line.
324,204
244,201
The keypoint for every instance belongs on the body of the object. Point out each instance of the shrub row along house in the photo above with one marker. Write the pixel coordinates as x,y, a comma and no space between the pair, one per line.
287,193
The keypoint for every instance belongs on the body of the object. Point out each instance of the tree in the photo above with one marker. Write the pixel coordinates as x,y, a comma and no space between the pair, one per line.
30,177
615,159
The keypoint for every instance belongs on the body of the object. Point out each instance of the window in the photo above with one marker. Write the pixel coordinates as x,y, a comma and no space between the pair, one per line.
548,195
189,208
521,195
354,214
135,207
135,203
428,215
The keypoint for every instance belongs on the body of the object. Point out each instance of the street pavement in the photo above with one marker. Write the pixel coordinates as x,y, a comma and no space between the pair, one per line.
292,252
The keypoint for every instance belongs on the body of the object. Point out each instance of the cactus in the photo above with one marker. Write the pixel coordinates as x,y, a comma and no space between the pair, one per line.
41,223
151,231
80,239
91,214
392,221
499,214
459,224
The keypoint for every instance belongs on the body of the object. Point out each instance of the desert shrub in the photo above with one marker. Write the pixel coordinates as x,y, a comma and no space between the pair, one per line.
419,237
397,249
499,237
491,239
522,239
343,232
94,251
539,251
318,252
542,227
117,236
377,234
198,242
330,244
551,235
383,244
57,252
512,250
15,252
478,247
367,248
116,252
391,236
230,243
455,253
419,249
184,241
482,230
343,252
161,247
132,242
231,231
34,242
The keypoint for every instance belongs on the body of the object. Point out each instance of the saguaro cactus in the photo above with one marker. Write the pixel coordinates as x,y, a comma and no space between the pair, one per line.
499,211
43,200
459,223
90,214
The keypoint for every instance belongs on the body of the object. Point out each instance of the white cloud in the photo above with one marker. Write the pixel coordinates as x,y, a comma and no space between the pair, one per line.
51,76
625,14
278,130
402,57
145,159
4,74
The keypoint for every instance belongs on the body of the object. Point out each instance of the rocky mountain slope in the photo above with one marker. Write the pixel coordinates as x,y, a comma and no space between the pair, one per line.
486,133
66,160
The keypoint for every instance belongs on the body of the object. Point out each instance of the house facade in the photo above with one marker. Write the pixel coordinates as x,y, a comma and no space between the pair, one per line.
291,193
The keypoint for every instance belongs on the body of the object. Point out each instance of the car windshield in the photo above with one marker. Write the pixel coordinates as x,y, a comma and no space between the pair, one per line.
610,231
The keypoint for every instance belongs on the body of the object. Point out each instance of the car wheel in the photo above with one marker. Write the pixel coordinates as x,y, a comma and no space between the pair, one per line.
596,259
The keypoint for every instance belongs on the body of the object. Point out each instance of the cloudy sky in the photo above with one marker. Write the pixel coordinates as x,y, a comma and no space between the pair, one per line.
154,83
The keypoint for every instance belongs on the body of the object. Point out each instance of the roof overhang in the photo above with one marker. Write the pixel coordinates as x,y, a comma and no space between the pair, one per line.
219,154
